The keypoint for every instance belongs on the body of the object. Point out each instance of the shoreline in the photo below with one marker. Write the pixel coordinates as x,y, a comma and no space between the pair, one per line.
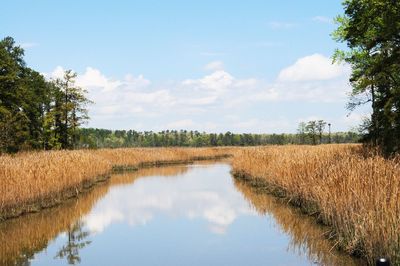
57,198
306,207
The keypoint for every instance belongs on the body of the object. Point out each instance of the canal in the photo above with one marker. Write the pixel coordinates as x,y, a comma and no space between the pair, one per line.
175,215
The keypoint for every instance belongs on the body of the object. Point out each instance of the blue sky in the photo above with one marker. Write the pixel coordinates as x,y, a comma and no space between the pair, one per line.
243,66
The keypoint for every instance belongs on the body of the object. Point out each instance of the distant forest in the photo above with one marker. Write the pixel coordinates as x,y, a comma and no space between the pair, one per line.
103,138
41,114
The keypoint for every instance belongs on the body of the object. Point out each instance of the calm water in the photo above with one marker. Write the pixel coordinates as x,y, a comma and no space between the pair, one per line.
180,215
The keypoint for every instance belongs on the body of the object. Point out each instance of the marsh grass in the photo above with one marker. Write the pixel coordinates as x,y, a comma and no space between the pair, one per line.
30,181
305,236
355,192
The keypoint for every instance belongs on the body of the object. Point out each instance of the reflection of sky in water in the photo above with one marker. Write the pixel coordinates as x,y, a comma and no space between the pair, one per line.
195,218
202,193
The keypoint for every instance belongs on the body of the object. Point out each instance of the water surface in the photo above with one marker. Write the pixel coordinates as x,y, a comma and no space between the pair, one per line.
178,215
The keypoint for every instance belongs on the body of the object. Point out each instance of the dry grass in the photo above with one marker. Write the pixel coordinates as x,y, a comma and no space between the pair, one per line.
357,195
30,177
26,236
22,238
305,237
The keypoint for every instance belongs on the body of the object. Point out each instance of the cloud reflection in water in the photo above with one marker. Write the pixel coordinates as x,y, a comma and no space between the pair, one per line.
199,195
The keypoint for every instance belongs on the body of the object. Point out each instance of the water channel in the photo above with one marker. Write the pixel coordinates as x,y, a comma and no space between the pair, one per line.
174,215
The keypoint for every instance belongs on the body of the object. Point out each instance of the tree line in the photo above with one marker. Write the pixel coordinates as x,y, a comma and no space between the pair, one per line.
371,30
103,138
36,113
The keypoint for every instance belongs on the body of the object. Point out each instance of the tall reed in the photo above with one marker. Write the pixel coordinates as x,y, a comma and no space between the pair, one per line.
357,194
31,177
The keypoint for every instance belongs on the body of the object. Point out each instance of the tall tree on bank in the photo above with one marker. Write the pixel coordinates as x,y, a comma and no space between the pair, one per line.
371,30
23,100
70,112
35,113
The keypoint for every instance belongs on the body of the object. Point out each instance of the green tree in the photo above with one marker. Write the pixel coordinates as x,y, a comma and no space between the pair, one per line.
24,100
301,131
312,129
370,28
70,109
320,129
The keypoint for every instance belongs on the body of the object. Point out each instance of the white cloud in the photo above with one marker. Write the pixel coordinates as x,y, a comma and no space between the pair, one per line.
199,103
257,125
322,19
190,124
217,81
311,68
355,118
191,198
181,124
93,78
58,72
159,97
214,66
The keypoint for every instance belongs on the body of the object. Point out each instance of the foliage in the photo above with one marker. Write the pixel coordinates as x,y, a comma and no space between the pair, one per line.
35,113
355,191
313,129
371,29
103,138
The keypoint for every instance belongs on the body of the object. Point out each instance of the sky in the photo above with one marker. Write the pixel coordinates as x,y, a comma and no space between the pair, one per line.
252,66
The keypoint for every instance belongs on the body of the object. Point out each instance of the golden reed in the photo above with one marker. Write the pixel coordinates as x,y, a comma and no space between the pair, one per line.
41,178
357,194
22,238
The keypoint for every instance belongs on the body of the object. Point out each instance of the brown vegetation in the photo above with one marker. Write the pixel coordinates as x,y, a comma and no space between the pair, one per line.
30,181
354,192
306,237
357,194
28,235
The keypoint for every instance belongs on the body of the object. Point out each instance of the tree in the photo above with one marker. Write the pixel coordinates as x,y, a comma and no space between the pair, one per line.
311,130
23,101
320,129
301,131
370,28
69,109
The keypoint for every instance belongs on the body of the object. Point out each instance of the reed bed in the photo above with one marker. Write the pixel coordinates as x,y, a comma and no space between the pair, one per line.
22,238
29,178
356,193
153,156
305,236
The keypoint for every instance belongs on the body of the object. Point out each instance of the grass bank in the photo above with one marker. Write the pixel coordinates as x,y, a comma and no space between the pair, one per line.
355,193
32,181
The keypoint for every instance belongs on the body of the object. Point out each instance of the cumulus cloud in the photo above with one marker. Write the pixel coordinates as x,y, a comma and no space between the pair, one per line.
58,72
198,103
93,78
311,68
217,81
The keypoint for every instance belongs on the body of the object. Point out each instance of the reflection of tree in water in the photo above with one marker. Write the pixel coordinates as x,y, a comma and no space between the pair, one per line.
76,241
